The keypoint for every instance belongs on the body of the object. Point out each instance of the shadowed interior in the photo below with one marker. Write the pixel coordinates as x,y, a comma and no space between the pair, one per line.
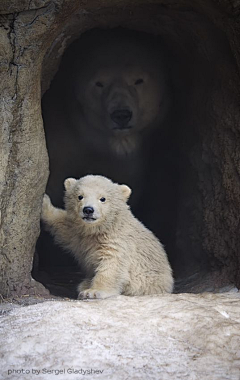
186,198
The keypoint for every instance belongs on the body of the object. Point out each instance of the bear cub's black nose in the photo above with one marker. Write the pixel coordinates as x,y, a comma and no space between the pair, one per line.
121,117
88,210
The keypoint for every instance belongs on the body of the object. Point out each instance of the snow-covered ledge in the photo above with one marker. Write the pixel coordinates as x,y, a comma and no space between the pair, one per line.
152,337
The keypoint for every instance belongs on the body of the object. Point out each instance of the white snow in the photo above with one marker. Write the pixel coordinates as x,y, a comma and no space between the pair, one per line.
178,336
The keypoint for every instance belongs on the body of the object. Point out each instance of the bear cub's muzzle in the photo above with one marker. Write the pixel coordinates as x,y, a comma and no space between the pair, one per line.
88,212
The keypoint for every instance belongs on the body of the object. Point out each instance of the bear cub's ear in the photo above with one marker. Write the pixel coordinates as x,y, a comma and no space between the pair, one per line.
126,191
69,182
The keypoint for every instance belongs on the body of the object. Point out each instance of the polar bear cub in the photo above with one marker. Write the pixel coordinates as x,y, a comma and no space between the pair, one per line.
119,254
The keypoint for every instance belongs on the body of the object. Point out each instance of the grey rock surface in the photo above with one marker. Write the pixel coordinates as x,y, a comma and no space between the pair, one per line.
152,337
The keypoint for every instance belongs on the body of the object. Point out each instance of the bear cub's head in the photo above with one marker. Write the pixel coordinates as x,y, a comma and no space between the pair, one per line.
94,199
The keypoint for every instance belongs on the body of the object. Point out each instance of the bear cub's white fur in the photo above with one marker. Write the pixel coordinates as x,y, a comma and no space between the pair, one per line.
119,254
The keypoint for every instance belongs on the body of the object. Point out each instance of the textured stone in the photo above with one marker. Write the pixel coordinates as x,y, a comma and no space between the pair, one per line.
168,337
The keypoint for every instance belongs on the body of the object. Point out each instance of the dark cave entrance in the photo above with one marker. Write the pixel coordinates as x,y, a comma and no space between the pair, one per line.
186,166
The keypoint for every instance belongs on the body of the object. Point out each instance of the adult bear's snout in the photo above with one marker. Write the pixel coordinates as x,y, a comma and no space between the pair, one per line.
121,118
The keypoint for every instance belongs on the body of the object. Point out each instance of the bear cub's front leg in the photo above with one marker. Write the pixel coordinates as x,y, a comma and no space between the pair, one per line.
103,285
50,214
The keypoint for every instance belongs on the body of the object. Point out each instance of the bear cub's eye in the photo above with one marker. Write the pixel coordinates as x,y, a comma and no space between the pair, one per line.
102,199
80,197
139,81
99,84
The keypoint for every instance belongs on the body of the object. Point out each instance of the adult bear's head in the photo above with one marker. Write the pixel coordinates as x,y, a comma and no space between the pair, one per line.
119,85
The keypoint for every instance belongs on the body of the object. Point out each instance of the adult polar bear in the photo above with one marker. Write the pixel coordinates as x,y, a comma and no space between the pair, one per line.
111,92
100,114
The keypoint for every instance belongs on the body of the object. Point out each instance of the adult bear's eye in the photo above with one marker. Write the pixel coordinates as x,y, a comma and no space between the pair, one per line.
99,84
80,197
139,81
102,199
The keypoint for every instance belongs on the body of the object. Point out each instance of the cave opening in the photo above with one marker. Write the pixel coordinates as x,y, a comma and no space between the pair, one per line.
180,189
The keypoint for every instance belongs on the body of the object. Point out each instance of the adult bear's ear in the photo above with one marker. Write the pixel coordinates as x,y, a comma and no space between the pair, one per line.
126,191
69,182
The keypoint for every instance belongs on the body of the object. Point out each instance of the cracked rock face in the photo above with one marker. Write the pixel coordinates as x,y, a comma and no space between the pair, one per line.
33,37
